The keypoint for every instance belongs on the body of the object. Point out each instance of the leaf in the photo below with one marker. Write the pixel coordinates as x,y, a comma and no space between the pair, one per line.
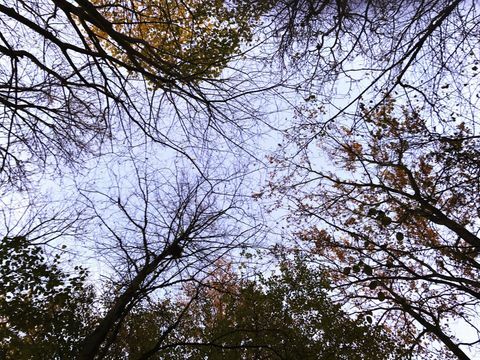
367,269
386,220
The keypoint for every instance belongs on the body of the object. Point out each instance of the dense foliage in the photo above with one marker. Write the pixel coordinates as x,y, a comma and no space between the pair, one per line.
287,316
44,312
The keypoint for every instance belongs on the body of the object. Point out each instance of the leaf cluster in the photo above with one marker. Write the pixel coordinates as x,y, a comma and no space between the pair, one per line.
44,313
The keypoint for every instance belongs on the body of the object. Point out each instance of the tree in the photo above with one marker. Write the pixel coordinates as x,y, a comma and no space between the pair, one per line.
286,316
44,312
160,230
149,234
396,224
388,196
87,82
344,52
184,40
77,79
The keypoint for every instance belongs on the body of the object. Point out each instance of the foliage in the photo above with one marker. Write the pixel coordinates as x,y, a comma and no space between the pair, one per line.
396,225
44,312
185,40
384,196
287,316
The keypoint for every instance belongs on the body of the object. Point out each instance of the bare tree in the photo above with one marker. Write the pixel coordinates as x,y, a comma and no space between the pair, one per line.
159,229
341,52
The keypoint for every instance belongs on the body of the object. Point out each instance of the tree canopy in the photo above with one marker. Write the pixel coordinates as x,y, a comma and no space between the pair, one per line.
44,312
184,40
239,179
398,226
